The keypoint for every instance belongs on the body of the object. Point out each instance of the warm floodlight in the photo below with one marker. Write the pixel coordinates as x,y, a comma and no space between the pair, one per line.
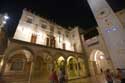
4,22
101,57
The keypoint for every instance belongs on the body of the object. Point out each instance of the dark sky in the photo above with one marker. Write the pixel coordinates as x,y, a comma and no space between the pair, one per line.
63,12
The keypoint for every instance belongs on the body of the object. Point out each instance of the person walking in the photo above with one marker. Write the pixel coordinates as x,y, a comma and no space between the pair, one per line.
53,77
109,77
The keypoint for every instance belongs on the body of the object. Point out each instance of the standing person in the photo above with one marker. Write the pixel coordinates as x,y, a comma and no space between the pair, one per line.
101,70
118,76
108,76
55,77
61,76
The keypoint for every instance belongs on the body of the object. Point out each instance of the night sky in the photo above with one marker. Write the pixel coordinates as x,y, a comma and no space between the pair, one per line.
63,12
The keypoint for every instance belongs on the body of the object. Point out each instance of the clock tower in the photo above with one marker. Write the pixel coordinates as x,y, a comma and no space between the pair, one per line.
111,30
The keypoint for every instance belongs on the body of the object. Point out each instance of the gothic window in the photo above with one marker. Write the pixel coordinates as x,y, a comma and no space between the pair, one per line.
17,65
29,20
52,28
52,41
47,41
74,46
64,46
33,38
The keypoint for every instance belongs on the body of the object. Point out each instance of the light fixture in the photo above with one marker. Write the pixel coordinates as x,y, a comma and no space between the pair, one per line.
6,17
101,57
114,29
4,22
1,63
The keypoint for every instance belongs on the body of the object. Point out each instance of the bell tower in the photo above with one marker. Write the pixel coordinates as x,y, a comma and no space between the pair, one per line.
111,30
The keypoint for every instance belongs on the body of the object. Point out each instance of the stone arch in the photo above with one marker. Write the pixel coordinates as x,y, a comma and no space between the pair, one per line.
95,54
43,65
72,71
81,67
18,61
98,62
40,69
58,54
18,54
27,54
9,52
47,56
60,59
59,62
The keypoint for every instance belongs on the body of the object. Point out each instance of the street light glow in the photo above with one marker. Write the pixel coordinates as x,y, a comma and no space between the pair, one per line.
4,22
101,57
6,17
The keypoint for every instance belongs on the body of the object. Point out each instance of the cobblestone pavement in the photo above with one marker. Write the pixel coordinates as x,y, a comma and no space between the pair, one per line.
95,79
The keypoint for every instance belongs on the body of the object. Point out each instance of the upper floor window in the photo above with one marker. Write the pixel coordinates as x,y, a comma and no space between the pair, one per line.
73,36
64,46
51,28
29,20
67,35
33,38
47,41
52,41
44,26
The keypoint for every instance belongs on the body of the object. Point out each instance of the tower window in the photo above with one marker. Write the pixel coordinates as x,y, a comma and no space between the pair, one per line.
52,28
29,20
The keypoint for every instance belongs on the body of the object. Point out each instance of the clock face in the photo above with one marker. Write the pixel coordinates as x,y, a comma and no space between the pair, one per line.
102,13
107,22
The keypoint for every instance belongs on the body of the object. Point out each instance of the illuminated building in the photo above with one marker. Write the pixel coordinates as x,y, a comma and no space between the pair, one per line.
38,46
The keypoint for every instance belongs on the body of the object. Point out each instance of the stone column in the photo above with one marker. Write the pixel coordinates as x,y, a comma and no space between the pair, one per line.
31,71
